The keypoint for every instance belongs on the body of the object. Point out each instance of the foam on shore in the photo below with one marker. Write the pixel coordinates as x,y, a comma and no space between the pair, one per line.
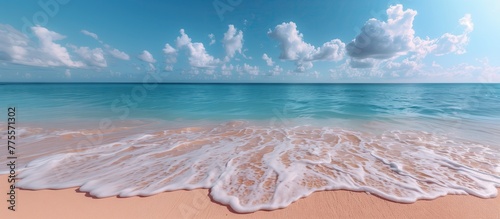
252,167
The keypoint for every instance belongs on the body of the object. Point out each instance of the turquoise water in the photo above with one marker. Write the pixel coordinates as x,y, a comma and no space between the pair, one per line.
253,102
258,146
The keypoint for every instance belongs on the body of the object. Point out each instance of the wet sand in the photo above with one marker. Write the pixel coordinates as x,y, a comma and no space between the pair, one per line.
70,203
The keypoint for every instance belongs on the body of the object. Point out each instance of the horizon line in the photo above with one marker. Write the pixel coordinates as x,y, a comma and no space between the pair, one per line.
305,83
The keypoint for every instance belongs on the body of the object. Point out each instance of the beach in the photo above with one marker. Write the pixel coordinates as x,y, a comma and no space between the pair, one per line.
68,203
317,156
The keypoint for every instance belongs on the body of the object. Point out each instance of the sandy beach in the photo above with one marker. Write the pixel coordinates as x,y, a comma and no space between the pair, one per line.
69,203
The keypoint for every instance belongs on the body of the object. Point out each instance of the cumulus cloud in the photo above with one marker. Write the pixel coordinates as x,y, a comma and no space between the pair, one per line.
170,57
269,60
198,56
233,41
17,48
14,46
146,56
169,50
294,48
383,40
183,39
56,54
92,57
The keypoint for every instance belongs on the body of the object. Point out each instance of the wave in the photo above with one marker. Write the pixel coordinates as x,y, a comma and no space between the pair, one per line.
251,167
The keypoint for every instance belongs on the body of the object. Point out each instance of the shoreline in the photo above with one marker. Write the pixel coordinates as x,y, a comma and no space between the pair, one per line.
70,203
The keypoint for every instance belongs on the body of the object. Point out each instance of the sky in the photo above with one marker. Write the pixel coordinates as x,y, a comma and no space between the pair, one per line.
243,41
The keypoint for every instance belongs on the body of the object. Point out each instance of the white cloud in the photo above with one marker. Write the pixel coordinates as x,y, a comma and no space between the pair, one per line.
252,70
408,70
93,57
269,60
170,57
183,39
383,40
423,47
233,41
90,34
369,67
446,44
16,47
276,70
291,43
380,41
347,71
170,53
294,48
57,55
117,53
212,39
330,51
466,21
304,66
198,56
112,51
146,57
169,49
449,43
482,72
227,70
406,67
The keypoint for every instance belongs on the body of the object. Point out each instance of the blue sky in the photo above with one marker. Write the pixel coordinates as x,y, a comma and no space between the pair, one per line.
249,41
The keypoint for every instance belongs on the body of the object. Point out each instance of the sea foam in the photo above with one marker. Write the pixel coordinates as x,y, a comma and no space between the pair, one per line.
251,167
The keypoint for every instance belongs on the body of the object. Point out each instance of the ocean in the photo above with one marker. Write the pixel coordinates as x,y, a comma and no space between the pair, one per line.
257,146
